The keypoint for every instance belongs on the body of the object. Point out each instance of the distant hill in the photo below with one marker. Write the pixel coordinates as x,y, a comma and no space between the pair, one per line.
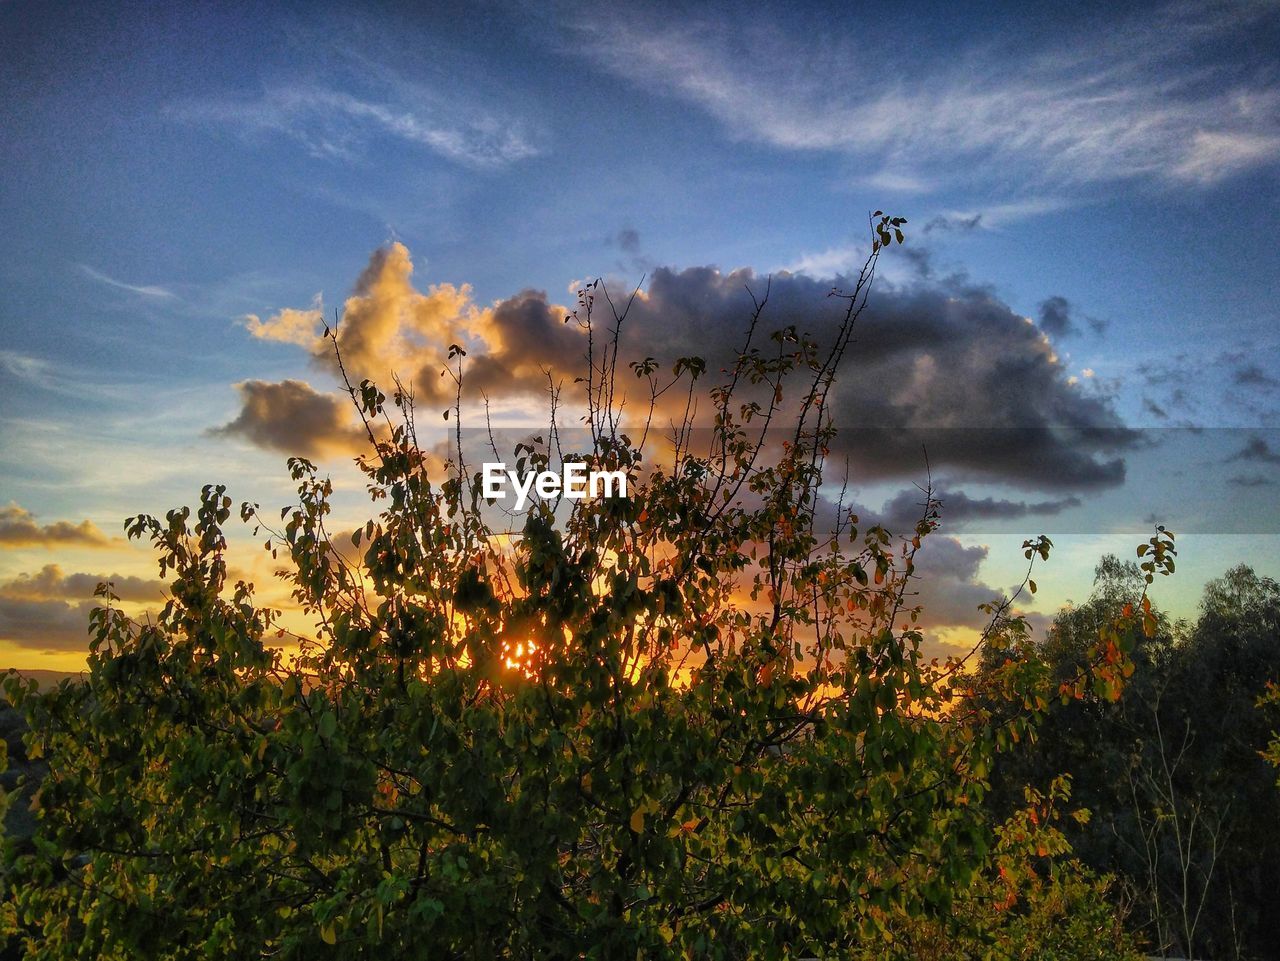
46,679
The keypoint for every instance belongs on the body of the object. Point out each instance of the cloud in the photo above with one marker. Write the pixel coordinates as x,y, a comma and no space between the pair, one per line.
946,224
145,290
903,510
1055,317
290,325
526,335
945,366
1256,450
949,584
1250,480
46,625
32,370
896,182
50,583
1153,98
50,610
1251,375
1210,384
18,528
334,124
634,259
1213,155
828,263
295,419
628,240
388,327
994,216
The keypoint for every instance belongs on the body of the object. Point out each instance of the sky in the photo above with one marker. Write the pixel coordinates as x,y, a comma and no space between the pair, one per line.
1081,327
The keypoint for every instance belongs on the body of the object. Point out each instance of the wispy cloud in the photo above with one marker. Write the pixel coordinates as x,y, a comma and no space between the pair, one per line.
142,290
1149,100
62,378
334,124
995,216
831,262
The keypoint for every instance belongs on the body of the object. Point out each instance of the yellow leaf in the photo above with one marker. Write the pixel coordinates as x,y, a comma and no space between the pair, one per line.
637,820
328,935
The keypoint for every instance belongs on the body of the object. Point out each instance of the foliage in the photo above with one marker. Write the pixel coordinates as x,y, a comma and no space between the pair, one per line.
1033,902
1185,812
1270,699
695,722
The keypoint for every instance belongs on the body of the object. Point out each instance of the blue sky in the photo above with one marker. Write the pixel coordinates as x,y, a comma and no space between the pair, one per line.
1109,174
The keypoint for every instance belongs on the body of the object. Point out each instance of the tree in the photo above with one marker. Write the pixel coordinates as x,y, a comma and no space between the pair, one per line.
692,722
1184,810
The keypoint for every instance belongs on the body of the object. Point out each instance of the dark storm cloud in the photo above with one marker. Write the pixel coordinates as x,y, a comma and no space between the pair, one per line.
946,367
937,365
1055,317
901,513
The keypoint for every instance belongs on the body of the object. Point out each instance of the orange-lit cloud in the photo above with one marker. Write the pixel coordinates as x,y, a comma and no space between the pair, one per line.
388,326
18,528
290,325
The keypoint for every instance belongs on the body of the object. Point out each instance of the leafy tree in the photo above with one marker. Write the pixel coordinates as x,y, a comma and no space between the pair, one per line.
693,722
1217,677
1184,810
